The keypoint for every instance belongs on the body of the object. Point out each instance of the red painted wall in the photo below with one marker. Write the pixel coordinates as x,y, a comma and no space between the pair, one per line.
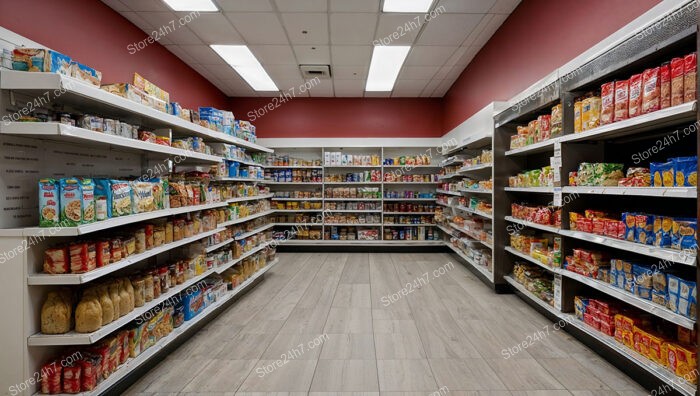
343,117
537,38
96,35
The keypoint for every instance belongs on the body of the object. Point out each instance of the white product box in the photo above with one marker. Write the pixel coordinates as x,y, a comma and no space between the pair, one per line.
327,158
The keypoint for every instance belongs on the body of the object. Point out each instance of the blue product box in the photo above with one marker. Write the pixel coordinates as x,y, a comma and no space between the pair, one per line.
686,289
674,284
684,308
85,73
643,292
41,60
672,303
194,304
658,297
233,168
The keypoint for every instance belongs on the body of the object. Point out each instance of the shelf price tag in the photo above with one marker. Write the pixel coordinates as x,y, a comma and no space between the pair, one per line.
557,197
555,162
557,291
557,149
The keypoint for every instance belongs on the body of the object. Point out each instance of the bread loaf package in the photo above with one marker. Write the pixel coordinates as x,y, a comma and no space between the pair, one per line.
56,314
106,304
607,96
113,288
677,81
88,313
651,90
128,287
665,84
622,90
635,108
690,69
123,299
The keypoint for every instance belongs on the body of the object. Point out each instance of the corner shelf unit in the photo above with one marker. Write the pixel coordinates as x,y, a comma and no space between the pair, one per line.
51,149
616,142
375,204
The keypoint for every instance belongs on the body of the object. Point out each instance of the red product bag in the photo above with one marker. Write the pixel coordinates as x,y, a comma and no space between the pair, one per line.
665,78
57,261
677,81
51,374
635,95
651,91
71,379
607,96
690,71
622,89
79,260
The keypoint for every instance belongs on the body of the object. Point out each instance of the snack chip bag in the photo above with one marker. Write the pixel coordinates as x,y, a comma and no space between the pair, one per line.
662,174
48,203
685,170
71,202
684,234
87,188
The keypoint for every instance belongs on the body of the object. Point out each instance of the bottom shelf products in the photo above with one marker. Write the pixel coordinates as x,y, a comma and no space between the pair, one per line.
536,280
410,234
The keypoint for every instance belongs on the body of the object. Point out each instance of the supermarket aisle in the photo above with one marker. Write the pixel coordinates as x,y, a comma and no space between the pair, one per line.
325,322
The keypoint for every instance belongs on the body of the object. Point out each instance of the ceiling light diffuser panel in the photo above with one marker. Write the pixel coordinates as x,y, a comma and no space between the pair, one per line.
409,6
192,5
385,67
242,60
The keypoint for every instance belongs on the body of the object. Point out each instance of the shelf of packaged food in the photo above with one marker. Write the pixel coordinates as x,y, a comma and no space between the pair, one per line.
446,205
247,218
409,167
446,230
671,192
41,232
77,279
530,224
294,199
470,235
353,224
277,183
352,211
686,257
545,190
298,224
245,162
448,192
631,299
254,198
409,213
475,191
133,363
409,199
358,242
528,294
297,210
353,199
658,371
412,183
351,166
64,133
68,90
539,147
219,245
475,212
339,183
220,269
671,116
238,179
448,176
292,167
485,271
409,225
450,161
253,232
532,260
75,338
472,168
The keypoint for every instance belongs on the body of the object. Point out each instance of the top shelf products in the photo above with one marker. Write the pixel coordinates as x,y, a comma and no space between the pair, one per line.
337,158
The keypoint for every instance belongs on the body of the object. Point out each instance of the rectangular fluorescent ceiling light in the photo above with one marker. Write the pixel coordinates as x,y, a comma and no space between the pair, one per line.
246,65
385,66
192,5
407,5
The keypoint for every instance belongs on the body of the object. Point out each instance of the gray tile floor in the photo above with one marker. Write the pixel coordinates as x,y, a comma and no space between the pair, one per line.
323,323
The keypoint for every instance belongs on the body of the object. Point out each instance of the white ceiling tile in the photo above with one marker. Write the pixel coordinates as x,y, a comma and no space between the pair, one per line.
274,54
202,54
351,55
315,25
145,5
488,32
324,89
408,88
137,19
182,54
259,27
349,88
268,94
350,72
442,89
448,29
430,87
307,55
471,38
214,28
355,6
206,73
116,5
442,73
397,29
245,5
292,86
221,72
455,72
418,72
377,94
165,21
283,72
184,36
302,5
429,55
466,6
504,6
356,29
463,56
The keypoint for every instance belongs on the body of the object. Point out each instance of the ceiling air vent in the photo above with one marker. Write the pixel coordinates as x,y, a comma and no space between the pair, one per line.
315,71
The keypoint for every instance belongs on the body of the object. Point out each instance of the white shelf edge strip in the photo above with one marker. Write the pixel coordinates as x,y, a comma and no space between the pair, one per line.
480,268
247,218
530,224
254,198
219,245
255,231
